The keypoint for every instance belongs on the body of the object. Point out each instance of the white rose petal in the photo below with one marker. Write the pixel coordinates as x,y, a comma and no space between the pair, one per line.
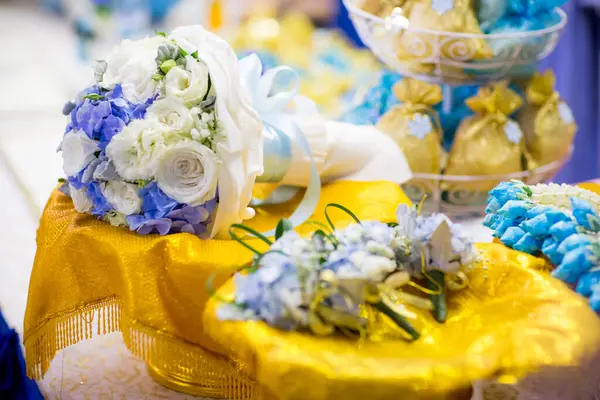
188,173
173,113
81,201
190,83
136,150
132,64
77,152
123,197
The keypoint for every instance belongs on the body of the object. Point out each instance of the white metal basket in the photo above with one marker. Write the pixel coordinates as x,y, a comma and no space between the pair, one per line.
447,57
454,195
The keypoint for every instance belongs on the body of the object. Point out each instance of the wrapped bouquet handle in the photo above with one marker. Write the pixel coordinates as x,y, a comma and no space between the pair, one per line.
273,92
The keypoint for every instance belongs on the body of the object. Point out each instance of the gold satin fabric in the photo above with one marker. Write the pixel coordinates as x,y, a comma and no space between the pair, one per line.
152,288
512,320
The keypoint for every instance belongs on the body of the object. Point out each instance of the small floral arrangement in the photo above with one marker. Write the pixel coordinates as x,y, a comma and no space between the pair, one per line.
156,144
323,282
561,222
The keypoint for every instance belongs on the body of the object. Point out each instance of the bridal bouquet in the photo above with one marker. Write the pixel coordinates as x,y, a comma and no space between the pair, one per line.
165,140
324,281
175,131
561,222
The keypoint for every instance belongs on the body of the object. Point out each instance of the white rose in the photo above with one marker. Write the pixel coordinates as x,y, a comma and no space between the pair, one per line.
173,113
136,150
132,64
123,197
190,83
81,201
78,150
188,173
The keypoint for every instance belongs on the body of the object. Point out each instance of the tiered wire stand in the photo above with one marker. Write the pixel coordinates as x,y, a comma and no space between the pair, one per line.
447,58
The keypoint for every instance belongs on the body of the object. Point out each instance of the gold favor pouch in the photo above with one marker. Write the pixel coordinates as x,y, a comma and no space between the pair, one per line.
381,8
441,16
415,126
547,121
488,143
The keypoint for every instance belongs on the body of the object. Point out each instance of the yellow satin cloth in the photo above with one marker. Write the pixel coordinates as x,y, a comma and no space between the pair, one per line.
511,321
91,278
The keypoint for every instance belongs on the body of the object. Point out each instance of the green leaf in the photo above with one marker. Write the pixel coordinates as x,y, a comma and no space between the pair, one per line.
61,180
182,52
160,33
166,66
93,97
141,183
282,227
195,54
158,77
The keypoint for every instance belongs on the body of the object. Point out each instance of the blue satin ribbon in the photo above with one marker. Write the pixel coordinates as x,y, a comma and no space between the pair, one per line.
271,93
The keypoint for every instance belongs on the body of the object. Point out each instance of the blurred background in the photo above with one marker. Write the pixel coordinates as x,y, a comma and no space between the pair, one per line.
48,46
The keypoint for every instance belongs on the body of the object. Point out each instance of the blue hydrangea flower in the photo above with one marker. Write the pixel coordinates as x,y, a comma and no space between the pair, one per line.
106,115
146,226
273,293
101,205
155,203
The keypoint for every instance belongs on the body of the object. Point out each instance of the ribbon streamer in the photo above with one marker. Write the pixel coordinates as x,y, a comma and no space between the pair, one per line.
272,93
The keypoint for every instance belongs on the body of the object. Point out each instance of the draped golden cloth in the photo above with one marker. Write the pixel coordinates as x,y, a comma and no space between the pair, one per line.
512,320
92,278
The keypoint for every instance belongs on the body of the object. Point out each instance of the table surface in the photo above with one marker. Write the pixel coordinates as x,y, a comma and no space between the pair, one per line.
31,127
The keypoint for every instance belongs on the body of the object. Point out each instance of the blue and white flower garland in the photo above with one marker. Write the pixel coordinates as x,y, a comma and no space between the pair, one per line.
320,282
560,221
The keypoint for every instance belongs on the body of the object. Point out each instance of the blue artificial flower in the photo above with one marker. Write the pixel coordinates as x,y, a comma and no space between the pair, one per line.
512,236
563,229
528,244
595,299
575,263
493,205
585,215
550,250
513,190
515,209
573,242
587,283
101,205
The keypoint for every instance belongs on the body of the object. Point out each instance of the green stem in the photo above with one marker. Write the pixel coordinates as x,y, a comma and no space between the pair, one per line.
398,319
439,300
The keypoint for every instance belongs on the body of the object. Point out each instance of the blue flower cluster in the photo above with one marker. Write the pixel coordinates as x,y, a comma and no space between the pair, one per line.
162,214
568,237
102,114
321,280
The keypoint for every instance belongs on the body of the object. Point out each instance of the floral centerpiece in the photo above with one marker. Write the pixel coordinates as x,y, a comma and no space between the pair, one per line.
561,222
323,282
